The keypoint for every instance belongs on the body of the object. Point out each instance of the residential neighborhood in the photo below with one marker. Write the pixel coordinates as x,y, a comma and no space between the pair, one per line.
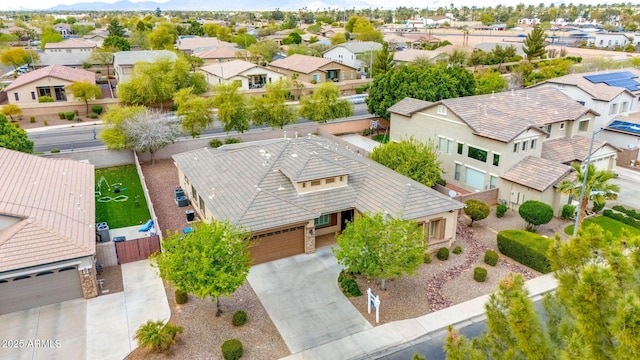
339,183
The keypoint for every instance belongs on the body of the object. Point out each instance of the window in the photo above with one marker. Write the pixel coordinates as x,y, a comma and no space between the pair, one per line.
323,220
515,147
315,182
33,95
583,125
441,144
449,147
329,180
460,148
562,125
496,159
16,96
613,108
478,154
548,129
524,145
625,106
200,203
60,93
493,182
442,110
436,228
533,144
194,193
304,185
44,91
456,175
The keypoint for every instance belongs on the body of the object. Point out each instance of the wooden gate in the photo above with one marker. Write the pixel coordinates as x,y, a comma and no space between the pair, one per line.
138,249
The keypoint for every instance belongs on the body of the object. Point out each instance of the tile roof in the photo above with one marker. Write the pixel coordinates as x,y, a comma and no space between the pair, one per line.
409,106
358,47
598,91
252,189
414,54
536,173
303,64
64,58
228,69
563,150
191,43
217,53
132,57
505,115
71,44
53,202
53,71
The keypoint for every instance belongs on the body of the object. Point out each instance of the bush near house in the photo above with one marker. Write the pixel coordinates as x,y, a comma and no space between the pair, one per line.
61,115
181,296
45,99
232,140
457,250
69,115
526,248
568,211
239,318
632,213
348,284
427,258
215,143
96,109
480,274
622,218
443,254
501,210
232,349
491,257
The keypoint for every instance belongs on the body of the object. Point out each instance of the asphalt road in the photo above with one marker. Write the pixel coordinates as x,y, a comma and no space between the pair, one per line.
86,136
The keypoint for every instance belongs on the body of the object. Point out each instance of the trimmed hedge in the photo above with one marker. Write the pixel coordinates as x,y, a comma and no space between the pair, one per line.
632,213
69,115
232,349
491,257
239,318
501,210
568,211
622,218
181,296
480,274
443,254
526,248
96,109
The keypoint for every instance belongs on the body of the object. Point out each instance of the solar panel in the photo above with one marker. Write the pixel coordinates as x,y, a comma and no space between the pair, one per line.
630,85
625,126
623,79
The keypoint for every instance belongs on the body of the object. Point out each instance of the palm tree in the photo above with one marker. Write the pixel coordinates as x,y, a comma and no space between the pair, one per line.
597,183
156,335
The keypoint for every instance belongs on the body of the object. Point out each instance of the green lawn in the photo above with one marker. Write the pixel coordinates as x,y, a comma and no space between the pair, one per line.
382,138
120,209
608,224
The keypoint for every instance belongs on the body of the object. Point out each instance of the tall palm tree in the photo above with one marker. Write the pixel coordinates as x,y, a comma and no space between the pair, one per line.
597,182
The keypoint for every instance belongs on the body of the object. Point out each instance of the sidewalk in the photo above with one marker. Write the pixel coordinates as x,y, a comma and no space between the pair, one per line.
394,336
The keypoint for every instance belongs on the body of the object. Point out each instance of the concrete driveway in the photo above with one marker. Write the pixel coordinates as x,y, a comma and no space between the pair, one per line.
101,328
301,295
629,182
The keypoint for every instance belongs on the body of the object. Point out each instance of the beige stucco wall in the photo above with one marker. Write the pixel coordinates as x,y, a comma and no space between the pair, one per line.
243,78
306,186
515,194
449,232
24,92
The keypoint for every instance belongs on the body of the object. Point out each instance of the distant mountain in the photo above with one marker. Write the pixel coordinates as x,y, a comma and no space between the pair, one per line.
199,5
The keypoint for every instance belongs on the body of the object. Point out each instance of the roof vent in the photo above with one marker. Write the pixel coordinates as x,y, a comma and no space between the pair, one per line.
294,155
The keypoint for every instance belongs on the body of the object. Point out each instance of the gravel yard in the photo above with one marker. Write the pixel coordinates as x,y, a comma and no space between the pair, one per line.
435,286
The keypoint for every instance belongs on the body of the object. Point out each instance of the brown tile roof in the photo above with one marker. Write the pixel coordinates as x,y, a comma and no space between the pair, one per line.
303,64
598,91
53,71
306,166
201,42
71,44
563,150
218,53
409,106
414,54
536,173
228,69
53,200
252,189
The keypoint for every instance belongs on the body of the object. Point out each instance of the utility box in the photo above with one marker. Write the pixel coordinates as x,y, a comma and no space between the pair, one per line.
191,215
182,201
103,231
178,193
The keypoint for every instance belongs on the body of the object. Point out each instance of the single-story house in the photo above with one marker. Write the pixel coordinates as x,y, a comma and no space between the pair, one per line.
47,231
49,81
289,192
245,73
314,69
123,61
217,55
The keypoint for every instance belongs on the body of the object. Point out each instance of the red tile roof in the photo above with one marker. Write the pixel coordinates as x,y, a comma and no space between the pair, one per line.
54,71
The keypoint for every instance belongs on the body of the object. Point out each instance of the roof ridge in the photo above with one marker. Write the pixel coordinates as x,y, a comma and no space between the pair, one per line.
7,233
62,237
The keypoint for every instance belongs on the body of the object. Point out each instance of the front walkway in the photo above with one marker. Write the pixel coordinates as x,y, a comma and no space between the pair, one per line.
301,295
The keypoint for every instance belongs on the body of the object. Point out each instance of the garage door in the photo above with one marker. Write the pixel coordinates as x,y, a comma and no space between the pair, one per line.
278,244
44,288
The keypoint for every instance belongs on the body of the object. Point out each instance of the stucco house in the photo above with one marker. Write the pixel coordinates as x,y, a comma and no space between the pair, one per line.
217,55
291,192
47,232
521,142
247,74
610,93
314,69
49,81
123,61
350,53
71,46
411,55
189,45
610,40
624,133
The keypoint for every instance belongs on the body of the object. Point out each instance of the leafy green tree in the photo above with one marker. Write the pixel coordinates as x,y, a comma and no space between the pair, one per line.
102,56
17,56
499,55
264,50
156,335
534,46
233,108
11,110
597,182
383,60
412,158
457,57
85,91
271,109
213,260
430,83
140,39
381,246
13,137
243,40
489,81
476,210
292,38
535,213
196,111
302,50
325,104
116,42
49,35
338,38
113,134
115,28
163,36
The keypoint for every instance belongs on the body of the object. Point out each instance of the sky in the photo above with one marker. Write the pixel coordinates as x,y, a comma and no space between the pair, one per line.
7,5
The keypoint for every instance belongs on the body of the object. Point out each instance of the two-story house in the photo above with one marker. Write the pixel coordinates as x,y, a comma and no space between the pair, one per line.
352,53
521,142
124,61
290,193
71,52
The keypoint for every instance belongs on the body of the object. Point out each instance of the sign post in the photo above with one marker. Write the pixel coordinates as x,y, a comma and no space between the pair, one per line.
373,301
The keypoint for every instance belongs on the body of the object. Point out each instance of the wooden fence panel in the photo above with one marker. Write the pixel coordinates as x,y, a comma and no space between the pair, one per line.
127,251
148,245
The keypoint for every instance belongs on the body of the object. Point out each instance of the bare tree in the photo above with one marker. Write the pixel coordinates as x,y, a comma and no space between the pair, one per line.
150,130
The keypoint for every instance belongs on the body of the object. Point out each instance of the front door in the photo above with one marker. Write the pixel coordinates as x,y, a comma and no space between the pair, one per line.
345,217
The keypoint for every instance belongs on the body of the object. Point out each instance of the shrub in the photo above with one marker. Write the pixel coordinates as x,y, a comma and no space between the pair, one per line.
359,90
61,115
181,296
622,218
491,257
92,116
367,132
215,143
632,213
480,274
427,258
55,150
232,140
77,118
45,99
476,210
443,254
32,119
69,115
348,284
232,349
174,107
457,250
239,318
314,81
156,335
568,211
501,209
526,248
597,206
535,213
96,109
46,123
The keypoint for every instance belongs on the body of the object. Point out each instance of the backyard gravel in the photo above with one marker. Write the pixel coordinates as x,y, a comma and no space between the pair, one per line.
434,287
